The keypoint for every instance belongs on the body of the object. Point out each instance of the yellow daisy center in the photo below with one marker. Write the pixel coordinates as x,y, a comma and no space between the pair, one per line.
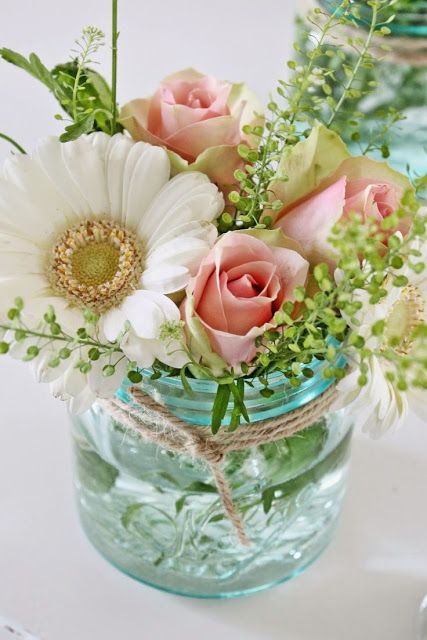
405,315
95,264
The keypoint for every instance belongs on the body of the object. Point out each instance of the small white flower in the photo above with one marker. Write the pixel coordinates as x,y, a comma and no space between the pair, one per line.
380,406
98,224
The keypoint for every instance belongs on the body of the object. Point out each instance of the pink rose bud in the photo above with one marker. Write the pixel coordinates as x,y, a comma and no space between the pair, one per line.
238,289
325,185
199,118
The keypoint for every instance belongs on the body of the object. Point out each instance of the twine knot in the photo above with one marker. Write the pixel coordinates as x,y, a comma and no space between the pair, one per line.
156,424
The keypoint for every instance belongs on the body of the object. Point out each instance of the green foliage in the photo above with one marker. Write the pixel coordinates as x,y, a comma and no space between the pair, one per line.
96,474
305,449
48,334
82,93
13,142
297,107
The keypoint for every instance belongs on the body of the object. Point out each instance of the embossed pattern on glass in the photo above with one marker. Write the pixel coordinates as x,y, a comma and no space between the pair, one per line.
157,515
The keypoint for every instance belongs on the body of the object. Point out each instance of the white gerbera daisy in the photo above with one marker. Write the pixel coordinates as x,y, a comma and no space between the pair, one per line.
381,406
98,224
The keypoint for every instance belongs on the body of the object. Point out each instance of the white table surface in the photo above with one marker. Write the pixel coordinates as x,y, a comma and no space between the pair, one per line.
368,584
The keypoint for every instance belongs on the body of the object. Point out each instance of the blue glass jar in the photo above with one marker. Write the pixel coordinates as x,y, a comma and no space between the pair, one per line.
157,515
401,77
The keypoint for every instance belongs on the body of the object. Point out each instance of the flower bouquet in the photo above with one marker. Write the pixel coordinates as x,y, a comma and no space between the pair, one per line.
219,294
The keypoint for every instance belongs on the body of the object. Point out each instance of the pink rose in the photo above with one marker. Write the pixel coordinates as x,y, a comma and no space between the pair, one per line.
325,185
239,287
199,118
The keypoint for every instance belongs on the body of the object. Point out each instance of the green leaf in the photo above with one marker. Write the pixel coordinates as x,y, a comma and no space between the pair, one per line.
187,386
129,513
238,391
93,94
308,450
217,518
34,66
220,405
95,474
201,487
267,499
77,129
179,504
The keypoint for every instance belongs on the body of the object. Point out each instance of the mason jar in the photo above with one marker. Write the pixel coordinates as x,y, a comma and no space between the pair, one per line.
401,77
157,515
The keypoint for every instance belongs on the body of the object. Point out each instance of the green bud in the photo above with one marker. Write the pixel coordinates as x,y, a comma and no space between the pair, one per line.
400,281
402,385
85,367
4,348
90,316
397,262
32,352
234,197
418,267
19,304
94,353
320,272
55,328
378,328
109,370
267,393
64,353
12,314
135,377
299,293
264,360
49,316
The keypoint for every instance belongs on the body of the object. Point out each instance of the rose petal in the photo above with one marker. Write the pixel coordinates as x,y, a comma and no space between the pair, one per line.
190,141
311,221
234,349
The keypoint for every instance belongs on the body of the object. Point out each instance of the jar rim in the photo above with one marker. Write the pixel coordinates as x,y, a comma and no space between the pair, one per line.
196,408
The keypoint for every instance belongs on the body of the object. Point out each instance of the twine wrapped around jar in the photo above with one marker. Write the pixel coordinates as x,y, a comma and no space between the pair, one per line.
403,50
156,424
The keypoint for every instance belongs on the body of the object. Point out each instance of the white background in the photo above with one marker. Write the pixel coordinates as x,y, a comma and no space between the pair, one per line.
368,584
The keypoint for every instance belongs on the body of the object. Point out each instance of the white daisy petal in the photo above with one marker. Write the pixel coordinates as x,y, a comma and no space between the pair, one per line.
18,216
87,171
26,288
165,278
179,251
193,229
138,350
117,153
82,402
147,311
99,141
19,263
171,353
106,387
112,323
47,202
49,156
187,197
147,171
12,242
71,384
41,369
